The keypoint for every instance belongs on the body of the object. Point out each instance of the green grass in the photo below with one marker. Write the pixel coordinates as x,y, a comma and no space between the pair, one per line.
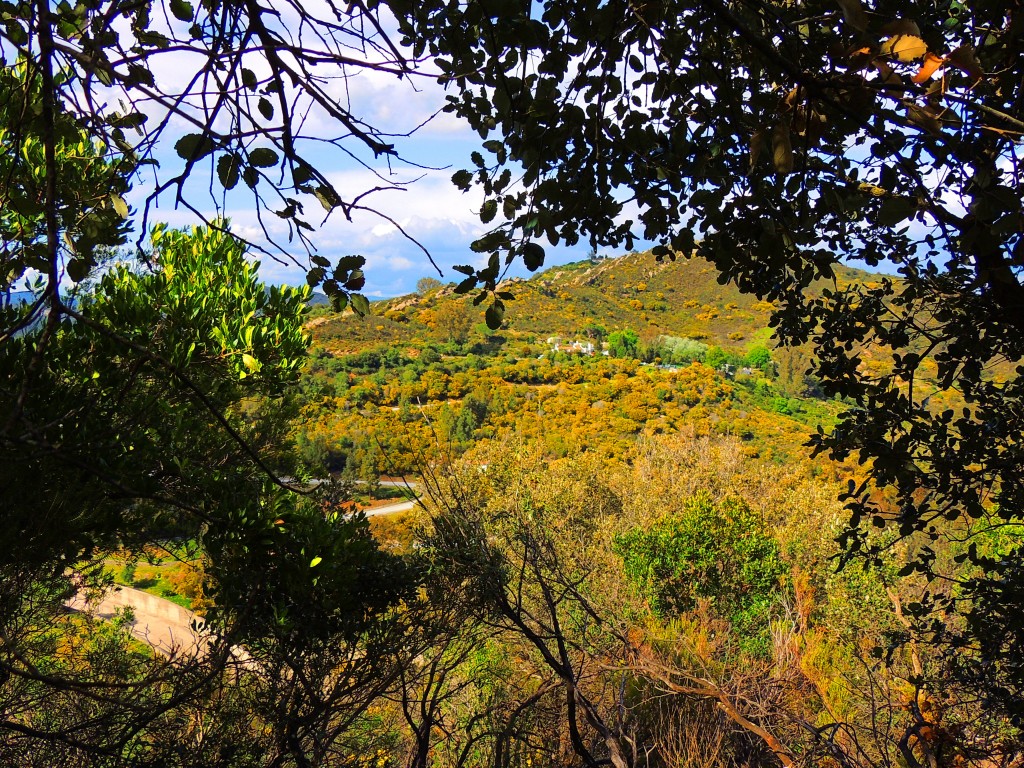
153,578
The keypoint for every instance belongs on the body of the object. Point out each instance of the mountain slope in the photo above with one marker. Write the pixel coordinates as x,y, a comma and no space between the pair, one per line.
681,298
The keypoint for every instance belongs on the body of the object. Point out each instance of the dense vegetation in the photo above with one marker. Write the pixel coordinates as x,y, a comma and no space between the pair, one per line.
644,535
574,385
628,559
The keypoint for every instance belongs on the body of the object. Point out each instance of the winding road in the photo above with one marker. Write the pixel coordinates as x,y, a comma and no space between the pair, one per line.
166,627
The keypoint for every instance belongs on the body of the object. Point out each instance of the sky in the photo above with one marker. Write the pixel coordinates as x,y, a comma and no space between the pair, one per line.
428,207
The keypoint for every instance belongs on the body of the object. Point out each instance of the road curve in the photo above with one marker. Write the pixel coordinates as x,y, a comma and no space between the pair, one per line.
166,627
390,509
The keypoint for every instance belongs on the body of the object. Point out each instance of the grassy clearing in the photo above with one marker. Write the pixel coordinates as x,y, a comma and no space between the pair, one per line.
165,576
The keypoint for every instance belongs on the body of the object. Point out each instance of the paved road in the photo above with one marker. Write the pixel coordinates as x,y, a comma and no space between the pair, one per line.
413,484
390,509
164,626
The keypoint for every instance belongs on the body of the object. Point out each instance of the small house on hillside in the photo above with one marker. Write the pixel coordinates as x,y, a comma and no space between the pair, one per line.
575,347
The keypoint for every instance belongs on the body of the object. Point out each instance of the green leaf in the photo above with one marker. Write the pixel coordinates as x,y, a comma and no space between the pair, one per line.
356,280
315,275
489,211
533,256
194,146
328,197
462,179
16,32
494,315
263,157
182,10
315,562
301,173
894,210
249,79
466,285
350,262
131,120
155,39
360,304
78,270
120,206
228,167
265,107
25,206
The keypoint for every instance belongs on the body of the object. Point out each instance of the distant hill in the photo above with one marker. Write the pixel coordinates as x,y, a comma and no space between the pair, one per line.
381,393
681,298
318,300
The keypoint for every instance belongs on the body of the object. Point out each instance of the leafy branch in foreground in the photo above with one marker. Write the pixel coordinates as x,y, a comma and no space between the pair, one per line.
778,141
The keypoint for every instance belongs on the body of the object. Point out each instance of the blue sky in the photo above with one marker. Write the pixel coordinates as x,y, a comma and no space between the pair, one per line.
430,208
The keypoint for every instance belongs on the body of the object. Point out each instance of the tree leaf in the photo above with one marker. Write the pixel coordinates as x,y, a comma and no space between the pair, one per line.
894,210
338,300
466,285
78,270
924,118
182,10
120,206
301,173
931,64
315,562
263,157
782,149
853,12
889,77
328,197
494,315
193,146
756,145
906,48
360,304
315,275
963,58
900,27
533,256
24,205
228,168
356,280
265,107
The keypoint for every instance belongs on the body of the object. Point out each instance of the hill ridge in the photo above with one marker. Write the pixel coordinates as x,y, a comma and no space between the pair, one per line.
635,291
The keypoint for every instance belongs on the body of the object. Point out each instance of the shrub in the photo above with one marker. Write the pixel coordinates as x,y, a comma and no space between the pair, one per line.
718,552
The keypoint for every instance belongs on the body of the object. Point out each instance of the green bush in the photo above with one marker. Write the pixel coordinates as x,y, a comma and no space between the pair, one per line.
719,552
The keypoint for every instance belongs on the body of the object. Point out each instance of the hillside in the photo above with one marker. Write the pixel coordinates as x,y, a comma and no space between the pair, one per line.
681,298
666,349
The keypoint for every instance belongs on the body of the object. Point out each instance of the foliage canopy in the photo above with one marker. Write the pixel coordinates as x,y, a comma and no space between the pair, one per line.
777,140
